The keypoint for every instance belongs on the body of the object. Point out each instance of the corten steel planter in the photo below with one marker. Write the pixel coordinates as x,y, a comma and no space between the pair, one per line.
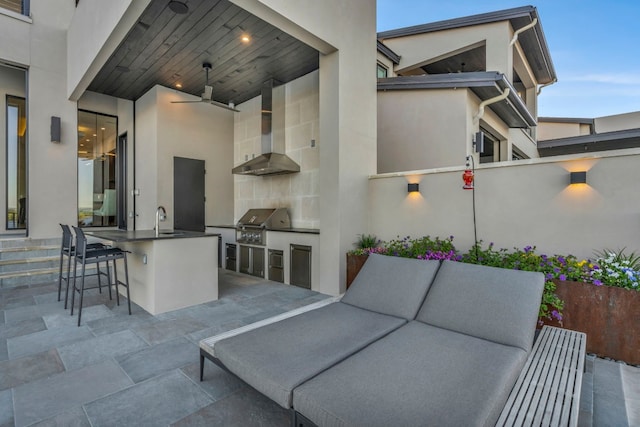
609,316
354,264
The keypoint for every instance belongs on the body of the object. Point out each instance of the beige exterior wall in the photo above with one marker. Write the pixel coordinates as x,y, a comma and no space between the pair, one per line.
420,129
422,49
298,192
194,131
518,204
618,122
552,130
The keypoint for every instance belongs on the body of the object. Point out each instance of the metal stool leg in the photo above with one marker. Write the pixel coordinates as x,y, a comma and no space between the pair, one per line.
126,278
73,289
71,257
81,294
60,274
115,279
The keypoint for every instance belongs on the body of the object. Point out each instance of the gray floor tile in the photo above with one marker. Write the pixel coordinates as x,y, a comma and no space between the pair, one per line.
64,318
217,382
74,417
159,401
196,336
16,372
608,407
24,327
49,297
159,358
18,302
4,352
245,407
120,323
32,312
166,330
45,340
93,350
63,392
6,408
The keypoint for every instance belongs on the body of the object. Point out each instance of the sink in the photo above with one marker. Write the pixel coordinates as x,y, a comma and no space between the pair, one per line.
172,233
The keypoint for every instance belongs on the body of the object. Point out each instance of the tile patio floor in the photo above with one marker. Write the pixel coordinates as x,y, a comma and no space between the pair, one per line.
142,370
120,370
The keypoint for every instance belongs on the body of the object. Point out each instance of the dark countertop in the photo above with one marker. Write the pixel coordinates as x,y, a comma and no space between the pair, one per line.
285,230
142,235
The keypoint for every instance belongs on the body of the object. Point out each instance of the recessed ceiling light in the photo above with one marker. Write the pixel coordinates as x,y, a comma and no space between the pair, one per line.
179,85
95,134
103,128
245,38
178,7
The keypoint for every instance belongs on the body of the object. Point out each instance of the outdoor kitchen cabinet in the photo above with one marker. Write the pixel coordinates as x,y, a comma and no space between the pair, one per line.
252,260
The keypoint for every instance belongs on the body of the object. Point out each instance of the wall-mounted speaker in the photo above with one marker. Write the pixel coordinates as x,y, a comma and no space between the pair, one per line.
55,129
478,142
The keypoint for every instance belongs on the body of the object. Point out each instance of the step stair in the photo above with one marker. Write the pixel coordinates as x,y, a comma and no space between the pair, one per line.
26,261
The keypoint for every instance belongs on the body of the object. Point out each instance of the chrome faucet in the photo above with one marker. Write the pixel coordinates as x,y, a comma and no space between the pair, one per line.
161,215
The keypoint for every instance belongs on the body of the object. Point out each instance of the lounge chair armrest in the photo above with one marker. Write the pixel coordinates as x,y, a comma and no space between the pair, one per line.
208,344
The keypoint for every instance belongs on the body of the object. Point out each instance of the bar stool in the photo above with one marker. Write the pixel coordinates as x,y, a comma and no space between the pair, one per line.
67,249
84,257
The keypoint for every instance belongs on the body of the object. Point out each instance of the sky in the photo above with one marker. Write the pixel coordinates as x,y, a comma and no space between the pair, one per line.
594,46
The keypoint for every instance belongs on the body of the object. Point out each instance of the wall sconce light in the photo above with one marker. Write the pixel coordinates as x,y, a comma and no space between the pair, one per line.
55,129
413,188
578,177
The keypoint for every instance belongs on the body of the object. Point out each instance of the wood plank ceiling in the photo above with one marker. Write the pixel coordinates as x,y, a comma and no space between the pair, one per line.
167,48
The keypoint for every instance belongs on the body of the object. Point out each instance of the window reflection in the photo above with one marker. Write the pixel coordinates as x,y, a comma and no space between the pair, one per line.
96,169
16,163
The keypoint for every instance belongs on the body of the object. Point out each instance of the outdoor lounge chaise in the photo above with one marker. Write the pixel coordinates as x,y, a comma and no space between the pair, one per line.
411,343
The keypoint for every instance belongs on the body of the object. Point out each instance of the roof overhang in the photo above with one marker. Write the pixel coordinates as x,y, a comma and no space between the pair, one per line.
628,138
486,85
391,55
533,41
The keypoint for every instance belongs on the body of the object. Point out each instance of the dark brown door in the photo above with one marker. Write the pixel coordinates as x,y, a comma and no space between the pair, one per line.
188,194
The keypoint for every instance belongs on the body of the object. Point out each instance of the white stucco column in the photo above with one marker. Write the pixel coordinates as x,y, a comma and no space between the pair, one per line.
345,35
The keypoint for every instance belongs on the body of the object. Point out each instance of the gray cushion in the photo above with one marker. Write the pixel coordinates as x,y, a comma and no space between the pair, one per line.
392,285
418,375
496,304
274,359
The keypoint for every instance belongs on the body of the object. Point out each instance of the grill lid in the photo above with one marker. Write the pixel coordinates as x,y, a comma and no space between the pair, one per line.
266,218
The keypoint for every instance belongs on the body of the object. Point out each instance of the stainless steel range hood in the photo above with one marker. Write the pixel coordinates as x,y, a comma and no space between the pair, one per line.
272,161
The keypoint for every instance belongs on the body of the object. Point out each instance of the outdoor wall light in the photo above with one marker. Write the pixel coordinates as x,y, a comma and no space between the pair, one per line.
55,129
413,188
578,177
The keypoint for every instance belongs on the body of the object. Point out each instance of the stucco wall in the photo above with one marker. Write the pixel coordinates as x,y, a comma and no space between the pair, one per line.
618,122
421,129
552,130
195,131
298,192
524,203
421,49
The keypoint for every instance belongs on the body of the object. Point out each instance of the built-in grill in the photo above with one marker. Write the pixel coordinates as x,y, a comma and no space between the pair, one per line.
251,228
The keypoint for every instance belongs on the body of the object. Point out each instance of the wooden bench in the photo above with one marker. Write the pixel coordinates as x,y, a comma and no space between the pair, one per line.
547,392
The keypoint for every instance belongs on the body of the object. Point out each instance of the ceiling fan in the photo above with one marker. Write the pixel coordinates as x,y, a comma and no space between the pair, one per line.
208,92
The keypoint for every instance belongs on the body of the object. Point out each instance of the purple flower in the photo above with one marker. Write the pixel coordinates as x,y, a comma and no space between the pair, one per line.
556,270
562,277
549,276
527,249
556,315
597,282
